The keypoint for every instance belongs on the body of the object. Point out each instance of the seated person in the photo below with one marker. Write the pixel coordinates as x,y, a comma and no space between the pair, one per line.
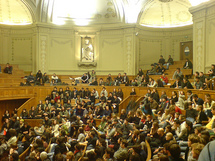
45,78
39,77
211,124
164,79
198,85
140,72
202,77
188,64
169,62
177,73
201,116
30,79
118,80
191,114
54,78
94,82
8,69
84,78
160,69
186,84
211,72
125,80
161,60
153,70
177,83
109,80
152,83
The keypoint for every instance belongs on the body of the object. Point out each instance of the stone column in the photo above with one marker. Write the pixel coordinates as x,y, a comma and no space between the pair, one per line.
203,36
130,51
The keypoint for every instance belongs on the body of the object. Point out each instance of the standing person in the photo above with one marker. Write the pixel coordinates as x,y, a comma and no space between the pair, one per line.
8,69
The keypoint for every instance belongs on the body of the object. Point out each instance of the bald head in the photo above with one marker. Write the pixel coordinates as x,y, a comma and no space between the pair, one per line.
160,131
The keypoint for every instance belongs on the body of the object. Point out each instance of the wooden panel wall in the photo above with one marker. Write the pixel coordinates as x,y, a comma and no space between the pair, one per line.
10,105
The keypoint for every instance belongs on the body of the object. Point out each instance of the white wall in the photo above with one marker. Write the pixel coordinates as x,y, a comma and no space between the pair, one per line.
57,49
156,42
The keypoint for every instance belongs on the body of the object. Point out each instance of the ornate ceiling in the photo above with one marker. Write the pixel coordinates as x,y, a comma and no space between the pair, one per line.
94,11
166,13
14,12
153,13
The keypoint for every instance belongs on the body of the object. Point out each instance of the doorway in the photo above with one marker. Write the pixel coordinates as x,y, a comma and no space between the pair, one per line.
186,50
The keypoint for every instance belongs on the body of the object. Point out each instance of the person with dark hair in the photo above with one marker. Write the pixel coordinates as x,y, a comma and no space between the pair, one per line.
122,153
152,71
91,140
198,84
14,124
140,72
177,73
174,152
164,79
197,101
126,128
201,116
188,64
45,78
39,77
180,130
193,138
85,78
169,62
30,79
186,84
109,153
209,125
14,157
125,79
191,113
178,83
211,72
160,69
161,60
8,69
133,92
13,138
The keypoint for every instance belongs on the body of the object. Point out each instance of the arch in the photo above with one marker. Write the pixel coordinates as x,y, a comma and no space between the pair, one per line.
165,14
14,12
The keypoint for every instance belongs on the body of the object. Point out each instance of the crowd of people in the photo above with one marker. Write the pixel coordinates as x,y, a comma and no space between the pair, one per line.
71,129
177,127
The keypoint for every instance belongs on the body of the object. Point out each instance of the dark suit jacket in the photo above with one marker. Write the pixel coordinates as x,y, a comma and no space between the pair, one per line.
188,85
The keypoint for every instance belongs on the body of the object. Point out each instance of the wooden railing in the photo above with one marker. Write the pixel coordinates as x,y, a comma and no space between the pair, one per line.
27,105
211,84
149,152
25,153
48,148
126,101
138,101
